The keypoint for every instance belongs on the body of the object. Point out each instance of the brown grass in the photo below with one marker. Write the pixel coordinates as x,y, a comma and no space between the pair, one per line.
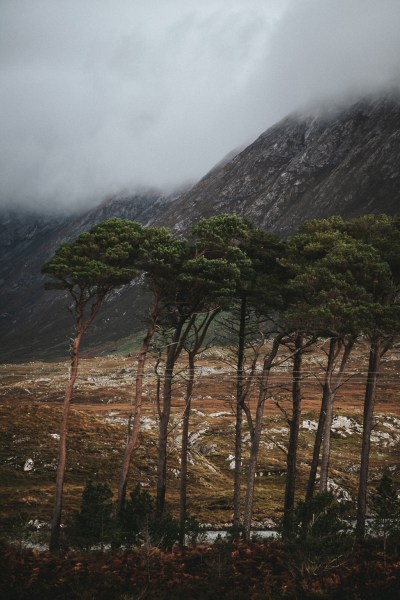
31,399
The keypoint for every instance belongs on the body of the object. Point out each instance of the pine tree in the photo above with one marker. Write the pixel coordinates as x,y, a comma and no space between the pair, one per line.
88,269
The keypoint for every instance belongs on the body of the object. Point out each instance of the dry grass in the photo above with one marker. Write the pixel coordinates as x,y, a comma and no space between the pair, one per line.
31,399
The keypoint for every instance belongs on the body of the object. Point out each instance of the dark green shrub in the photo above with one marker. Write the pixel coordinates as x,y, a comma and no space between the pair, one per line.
17,527
94,523
138,524
194,531
137,517
323,519
164,532
386,506
320,536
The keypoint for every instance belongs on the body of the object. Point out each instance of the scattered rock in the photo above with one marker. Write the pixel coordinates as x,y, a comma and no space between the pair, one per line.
232,462
29,465
309,425
344,426
340,493
220,414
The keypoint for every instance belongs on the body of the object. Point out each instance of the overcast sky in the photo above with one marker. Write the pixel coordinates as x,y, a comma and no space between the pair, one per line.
102,96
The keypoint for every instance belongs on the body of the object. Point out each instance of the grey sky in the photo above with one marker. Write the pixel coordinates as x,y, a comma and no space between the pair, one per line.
100,96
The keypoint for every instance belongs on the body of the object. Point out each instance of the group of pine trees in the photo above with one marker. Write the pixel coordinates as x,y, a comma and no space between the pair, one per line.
335,279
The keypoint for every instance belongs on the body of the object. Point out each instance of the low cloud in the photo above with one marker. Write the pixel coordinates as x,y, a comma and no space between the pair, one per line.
98,97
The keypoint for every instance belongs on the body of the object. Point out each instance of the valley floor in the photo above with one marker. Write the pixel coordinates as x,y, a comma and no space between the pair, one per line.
31,399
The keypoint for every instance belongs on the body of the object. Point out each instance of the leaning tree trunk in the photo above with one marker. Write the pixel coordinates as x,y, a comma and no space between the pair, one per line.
291,472
80,328
369,402
321,422
184,452
255,433
133,433
323,434
333,385
239,419
62,453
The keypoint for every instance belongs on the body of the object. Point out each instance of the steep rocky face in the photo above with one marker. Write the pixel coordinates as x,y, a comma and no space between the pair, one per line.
345,162
306,167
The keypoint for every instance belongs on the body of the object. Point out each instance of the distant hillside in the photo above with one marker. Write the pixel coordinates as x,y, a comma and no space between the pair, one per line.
35,323
307,166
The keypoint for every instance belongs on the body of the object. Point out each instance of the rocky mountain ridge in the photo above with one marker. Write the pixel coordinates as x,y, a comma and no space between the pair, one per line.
307,166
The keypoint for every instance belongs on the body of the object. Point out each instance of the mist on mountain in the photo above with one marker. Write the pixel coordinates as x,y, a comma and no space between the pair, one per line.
98,101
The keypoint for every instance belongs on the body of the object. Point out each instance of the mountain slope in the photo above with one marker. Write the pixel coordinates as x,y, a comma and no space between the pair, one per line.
35,323
308,167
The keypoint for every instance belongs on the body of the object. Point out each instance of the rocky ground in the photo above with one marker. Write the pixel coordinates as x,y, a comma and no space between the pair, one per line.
30,410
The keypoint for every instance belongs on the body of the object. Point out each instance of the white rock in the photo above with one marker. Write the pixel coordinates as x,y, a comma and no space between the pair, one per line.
147,424
345,425
220,414
309,425
197,412
341,494
232,462
29,465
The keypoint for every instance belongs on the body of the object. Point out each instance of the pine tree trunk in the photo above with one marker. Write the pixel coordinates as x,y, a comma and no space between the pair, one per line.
62,453
321,423
256,437
134,432
184,452
326,435
291,473
326,444
173,352
369,403
252,466
332,383
239,420
163,434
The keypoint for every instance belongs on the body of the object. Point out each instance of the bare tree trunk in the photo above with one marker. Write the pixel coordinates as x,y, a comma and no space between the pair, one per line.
62,452
81,327
173,352
134,431
255,436
293,435
330,388
163,432
239,419
200,332
369,403
333,386
184,451
326,443
321,423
